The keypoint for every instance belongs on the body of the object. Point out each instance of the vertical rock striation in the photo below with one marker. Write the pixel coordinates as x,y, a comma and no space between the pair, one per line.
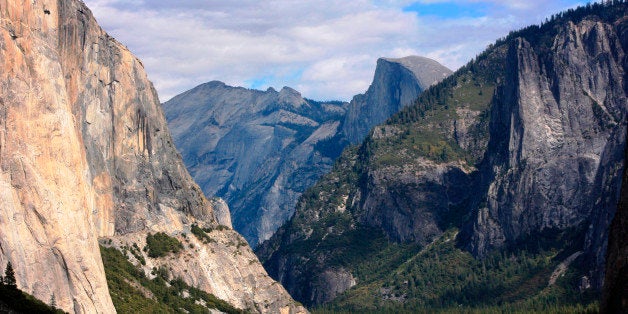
85,152
557,135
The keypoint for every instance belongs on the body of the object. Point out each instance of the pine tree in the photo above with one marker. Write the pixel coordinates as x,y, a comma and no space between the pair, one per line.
9,276
53,301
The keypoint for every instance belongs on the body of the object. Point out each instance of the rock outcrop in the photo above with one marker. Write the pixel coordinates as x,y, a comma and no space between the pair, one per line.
557,135
396,84
523,144
259,150
85,152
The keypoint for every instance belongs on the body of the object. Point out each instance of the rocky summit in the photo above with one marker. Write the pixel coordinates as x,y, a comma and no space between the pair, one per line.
396,84
259,150
85,154
494,190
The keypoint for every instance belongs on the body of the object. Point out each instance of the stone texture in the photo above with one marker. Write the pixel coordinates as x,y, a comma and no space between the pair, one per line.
225,267
85,152
557,137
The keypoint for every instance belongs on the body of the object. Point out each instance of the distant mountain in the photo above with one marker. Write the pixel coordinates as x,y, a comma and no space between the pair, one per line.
494,189
259,150
396,84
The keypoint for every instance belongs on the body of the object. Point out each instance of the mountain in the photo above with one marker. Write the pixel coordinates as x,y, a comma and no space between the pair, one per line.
86,156
493,190
396,84
259,150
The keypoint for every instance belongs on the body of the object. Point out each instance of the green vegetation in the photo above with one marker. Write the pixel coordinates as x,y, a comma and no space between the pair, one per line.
135,250
132,292
425,128
201,234
160,244
17,300
444,278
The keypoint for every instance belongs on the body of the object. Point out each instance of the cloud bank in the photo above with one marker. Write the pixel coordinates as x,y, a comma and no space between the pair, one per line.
327,49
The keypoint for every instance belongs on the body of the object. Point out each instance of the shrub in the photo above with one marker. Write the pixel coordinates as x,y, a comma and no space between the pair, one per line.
160,244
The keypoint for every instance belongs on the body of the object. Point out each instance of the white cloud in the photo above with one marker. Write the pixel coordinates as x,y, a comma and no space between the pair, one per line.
326,49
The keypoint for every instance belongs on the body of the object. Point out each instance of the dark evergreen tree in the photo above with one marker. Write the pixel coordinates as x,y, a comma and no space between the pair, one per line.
53,301
9,276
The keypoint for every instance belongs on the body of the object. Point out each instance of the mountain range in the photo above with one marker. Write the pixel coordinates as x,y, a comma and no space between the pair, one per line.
501,187
259,150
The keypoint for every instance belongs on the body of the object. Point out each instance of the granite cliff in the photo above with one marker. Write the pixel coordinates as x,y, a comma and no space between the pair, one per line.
515,160
85,153
259,150
396,84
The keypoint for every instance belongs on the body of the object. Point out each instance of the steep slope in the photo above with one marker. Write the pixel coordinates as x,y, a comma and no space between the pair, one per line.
520,150
396,84
85,152
259,150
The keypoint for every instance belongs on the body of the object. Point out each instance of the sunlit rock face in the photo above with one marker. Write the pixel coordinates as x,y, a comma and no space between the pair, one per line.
85,152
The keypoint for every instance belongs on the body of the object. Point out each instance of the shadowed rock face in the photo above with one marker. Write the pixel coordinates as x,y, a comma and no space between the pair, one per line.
85,152
396,84
615,293
259,150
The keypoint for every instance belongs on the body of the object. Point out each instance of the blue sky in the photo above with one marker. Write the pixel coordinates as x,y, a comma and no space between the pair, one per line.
326,49
449,10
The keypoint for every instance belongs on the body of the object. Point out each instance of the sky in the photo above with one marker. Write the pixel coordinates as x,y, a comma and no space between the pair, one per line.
326,49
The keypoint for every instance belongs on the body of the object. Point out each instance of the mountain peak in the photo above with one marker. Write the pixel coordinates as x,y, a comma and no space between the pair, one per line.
427,71
396,84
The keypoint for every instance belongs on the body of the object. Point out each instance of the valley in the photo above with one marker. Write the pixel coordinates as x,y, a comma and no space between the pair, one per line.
498,187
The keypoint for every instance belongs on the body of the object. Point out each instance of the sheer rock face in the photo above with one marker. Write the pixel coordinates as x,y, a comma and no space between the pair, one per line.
259,150
85,152
396,84
615,293
557,135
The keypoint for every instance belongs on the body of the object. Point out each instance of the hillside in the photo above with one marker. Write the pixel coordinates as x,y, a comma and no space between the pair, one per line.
494,190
